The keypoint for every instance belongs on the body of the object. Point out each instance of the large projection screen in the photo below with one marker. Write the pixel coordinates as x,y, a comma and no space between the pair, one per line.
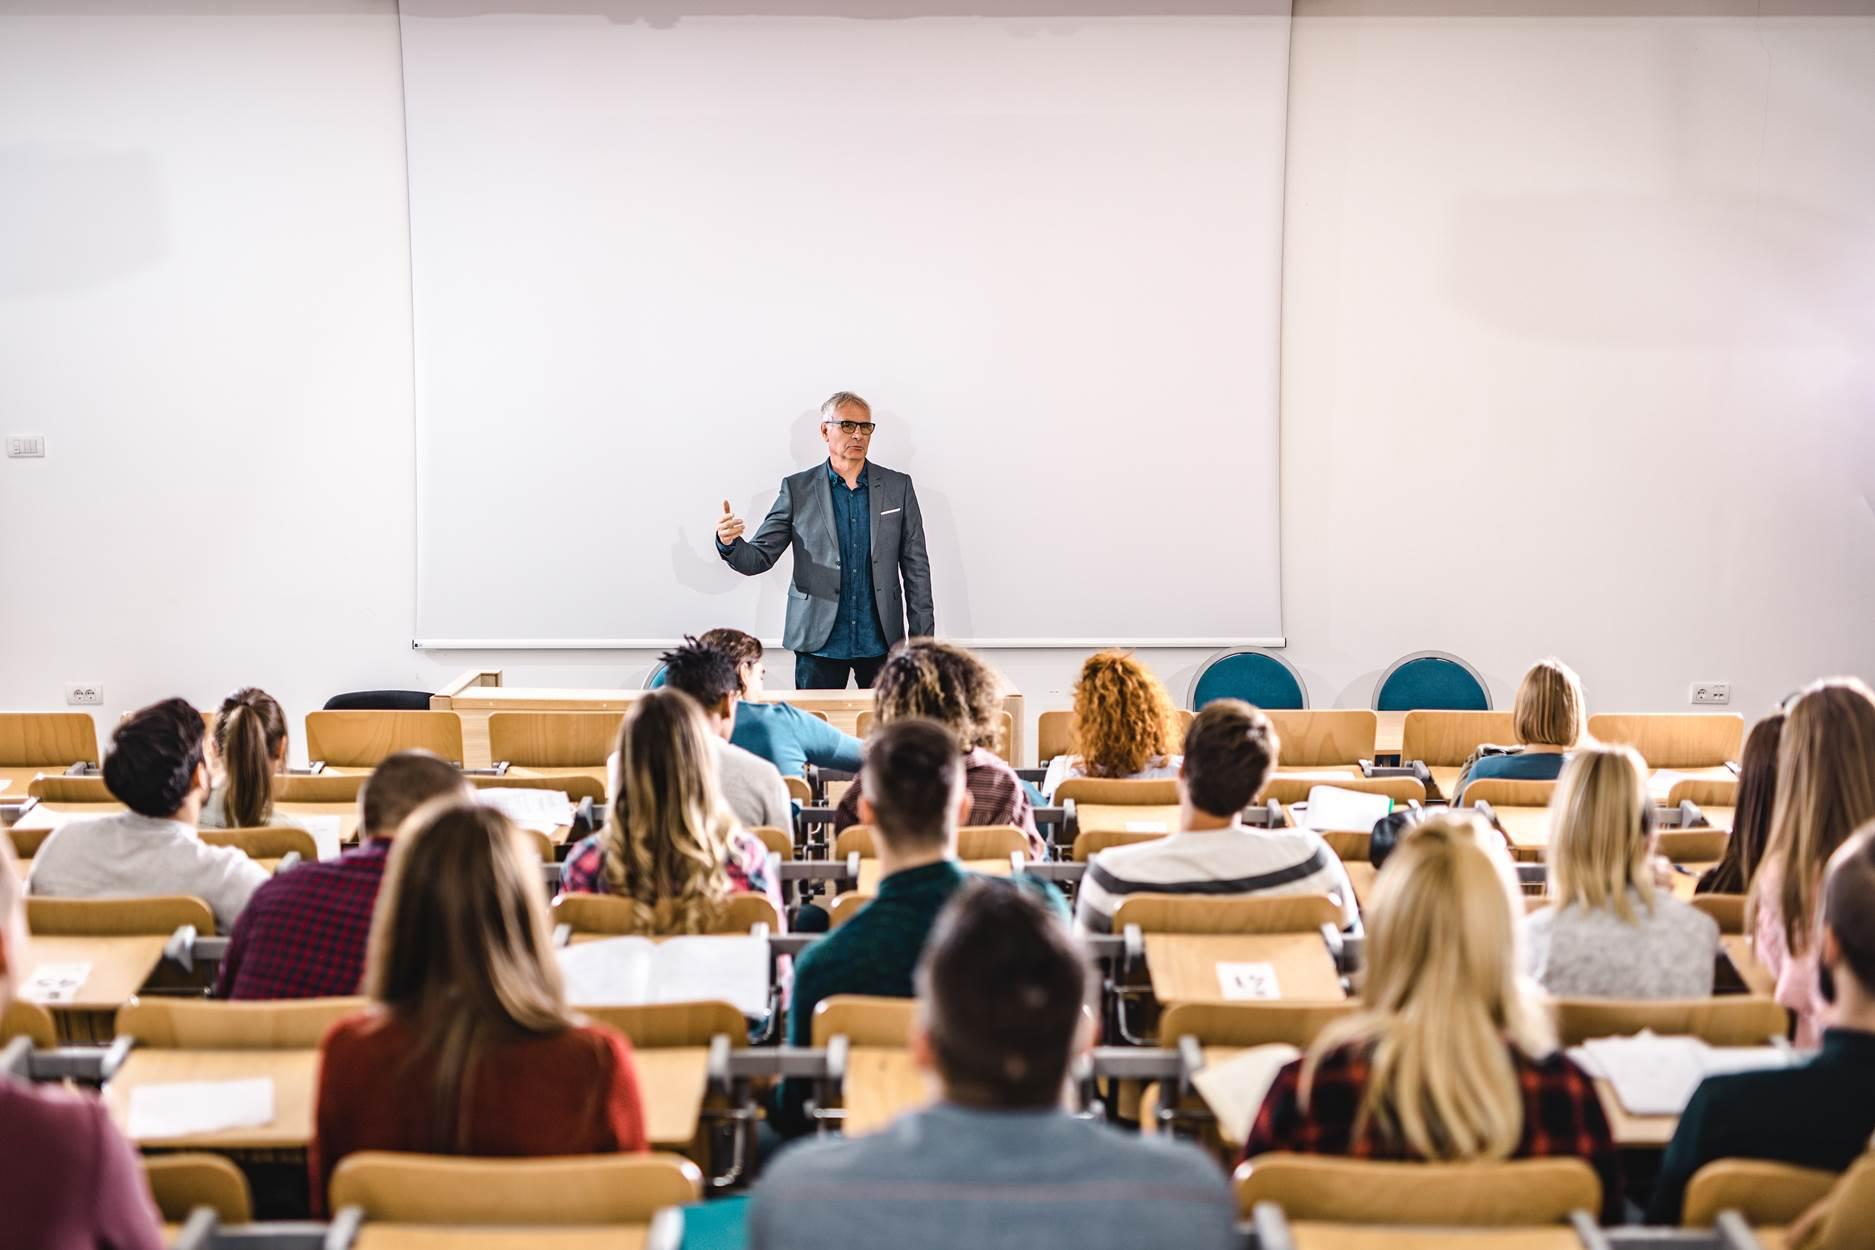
647,242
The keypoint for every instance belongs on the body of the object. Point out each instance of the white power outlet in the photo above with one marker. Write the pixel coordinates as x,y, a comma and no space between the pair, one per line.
1707,693
26,446
84,694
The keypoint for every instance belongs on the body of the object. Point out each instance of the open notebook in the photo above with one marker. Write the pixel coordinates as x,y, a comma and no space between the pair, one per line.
1654,1075
632,971
1234,1089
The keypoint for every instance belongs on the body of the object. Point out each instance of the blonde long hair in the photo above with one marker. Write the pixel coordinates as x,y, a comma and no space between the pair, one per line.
669,830
1600,838
461,951
1441,1003
1122,716
1825,791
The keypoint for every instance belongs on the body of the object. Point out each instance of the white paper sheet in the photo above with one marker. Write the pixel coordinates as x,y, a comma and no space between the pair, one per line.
325,834
55,983
187,1108
542,810
1333,808
1241,982
1655,1075
1661,783
1234,1089
629,971
42,817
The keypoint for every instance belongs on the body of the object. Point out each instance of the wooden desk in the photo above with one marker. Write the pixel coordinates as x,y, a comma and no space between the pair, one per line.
1652,1131
1389,732
1111,818
119,968
295,1075
1444,780
1326,775
14,778
434,1237
1183,966
881,1085
1757,978
1362,876
346,812
1684,882
672,1081
1528,830
478,692
1309,1235
869,875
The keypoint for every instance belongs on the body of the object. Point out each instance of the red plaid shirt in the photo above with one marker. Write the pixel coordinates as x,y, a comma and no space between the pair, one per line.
996,798
1561,1116
302,934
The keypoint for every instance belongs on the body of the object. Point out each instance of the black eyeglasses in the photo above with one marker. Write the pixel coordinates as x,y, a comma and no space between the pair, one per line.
855,427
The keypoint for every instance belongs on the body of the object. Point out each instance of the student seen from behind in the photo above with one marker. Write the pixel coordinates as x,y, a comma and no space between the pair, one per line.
1550,719
249,748
780,733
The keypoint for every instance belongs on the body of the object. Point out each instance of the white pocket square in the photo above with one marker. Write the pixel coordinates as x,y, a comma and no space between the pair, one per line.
890,511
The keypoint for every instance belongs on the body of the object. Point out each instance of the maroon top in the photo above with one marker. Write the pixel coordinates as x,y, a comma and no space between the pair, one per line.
70,1182
571,1094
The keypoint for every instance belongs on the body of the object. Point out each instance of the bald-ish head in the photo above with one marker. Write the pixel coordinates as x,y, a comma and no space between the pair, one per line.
403,783
12,924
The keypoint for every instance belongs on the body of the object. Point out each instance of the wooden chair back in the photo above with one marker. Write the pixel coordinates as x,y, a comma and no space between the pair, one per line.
855,840
182,1182
1674,739
28,1020
1519,1193
574,786
603,913
1054,732
553,739
1287,790
666,1025
1705,791
1182,913
365,739
1848,1213
1324,738
799,790
1440,739
317,788
1119,792
1727,909
266,841
47,739
1768,1195
26,842
973,842
1250,1024
453,1190
865,1020
845,906
52,789
154,915
201,1024
778,841
1501,793
1692,846
1094,841
1733,1020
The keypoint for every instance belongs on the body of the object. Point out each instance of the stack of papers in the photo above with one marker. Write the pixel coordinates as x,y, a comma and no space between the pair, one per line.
190,1108
1333,809
1234,1089
632,971
541,810
325,833
1654,1075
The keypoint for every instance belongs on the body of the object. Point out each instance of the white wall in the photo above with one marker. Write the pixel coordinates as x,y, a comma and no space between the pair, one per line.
1577,315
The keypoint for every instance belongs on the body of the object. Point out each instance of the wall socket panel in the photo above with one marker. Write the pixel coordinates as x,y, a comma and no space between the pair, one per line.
84,694
26,446
1711,693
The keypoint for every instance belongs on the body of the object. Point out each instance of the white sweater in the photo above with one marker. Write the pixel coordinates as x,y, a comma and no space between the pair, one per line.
125,855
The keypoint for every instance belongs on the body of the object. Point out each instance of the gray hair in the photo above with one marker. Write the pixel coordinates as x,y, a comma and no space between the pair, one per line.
838,400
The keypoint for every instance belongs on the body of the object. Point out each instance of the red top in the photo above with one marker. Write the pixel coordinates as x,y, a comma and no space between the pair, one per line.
571,1094
70,1180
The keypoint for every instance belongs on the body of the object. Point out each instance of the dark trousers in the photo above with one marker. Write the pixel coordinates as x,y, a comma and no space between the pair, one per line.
815,672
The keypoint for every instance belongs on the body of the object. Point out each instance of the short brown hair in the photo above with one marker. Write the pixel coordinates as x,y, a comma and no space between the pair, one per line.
912,778
1229,750
738,646
154,753
1549,706
403,783
1002,987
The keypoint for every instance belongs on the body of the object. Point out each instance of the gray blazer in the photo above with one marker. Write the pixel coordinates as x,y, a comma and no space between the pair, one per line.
802,518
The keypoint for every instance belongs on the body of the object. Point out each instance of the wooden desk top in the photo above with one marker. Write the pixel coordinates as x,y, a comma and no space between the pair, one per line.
119,967
1328,775
1527,828
881,1085
1633,1130
430,1237
1110,818
346,812
672,1081
1389,732
1309,1235
1757,978
1362,876
1444,779
869,871
1683,882
295,1075
16,777
1183,966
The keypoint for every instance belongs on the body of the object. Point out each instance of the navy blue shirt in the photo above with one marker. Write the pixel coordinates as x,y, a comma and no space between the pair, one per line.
856,631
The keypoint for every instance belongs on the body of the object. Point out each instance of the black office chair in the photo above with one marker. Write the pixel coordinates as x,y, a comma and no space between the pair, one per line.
380,701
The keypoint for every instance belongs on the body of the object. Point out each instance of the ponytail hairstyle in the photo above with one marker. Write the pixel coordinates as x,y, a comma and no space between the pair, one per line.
669,828
250,737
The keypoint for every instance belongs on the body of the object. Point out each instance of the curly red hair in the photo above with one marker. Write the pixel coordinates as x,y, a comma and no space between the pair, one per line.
1122,716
